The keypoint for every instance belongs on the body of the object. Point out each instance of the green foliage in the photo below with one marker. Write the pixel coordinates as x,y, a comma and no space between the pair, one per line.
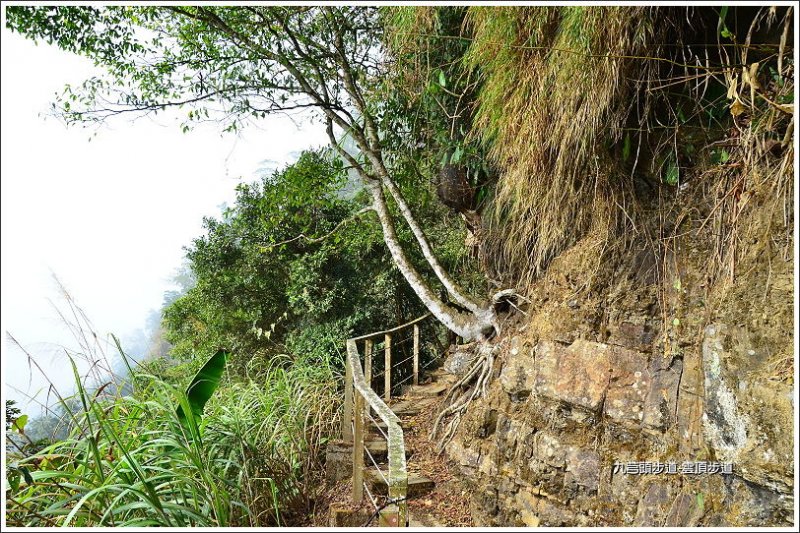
720,156
225,63
671,171
723,29
240,280
12,412
19,423
203,385
288,258
131,460
429,94
15,424
626,148
236,64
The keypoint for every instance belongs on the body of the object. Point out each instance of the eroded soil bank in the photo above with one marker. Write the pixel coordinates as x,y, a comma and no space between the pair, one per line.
633,384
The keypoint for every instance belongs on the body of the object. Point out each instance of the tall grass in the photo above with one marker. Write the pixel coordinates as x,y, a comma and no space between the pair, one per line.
131,460
277,425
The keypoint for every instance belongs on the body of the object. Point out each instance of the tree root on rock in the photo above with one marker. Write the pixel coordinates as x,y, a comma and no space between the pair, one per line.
476,381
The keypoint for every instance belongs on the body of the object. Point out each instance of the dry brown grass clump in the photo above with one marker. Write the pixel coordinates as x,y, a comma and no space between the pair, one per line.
558,87
577,103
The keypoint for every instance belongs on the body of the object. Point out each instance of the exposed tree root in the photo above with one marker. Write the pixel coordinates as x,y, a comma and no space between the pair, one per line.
471,386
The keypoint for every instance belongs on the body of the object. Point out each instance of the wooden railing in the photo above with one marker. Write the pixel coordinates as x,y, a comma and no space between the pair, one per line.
360,401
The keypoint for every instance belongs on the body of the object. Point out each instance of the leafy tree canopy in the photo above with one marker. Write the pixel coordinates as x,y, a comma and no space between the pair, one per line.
223,63
234,64
291,267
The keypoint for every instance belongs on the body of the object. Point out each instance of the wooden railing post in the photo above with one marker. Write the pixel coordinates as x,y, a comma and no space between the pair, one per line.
368,361
358,448
416,354
368,368
387,374
347,416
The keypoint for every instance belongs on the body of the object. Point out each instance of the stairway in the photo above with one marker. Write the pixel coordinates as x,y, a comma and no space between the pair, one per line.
435,496
414,402
417,400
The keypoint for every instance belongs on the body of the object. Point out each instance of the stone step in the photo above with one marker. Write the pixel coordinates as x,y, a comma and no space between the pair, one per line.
419,519
406,408
433,389
412,406
417,485
379,451
376,428
403,409
379,430
342,515
439,373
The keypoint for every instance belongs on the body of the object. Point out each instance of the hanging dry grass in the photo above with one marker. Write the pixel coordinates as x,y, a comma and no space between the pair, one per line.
564,88
558,87
409,29
753,214
630,129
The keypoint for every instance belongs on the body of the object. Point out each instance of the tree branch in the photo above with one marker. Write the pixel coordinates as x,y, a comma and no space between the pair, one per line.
314,240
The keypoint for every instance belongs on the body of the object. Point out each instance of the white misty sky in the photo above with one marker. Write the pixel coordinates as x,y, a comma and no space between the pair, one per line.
108,217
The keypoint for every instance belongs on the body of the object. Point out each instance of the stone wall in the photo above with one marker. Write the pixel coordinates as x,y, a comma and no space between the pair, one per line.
541,448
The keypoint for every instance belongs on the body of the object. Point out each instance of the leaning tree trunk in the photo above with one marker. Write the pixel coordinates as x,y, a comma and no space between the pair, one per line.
479,321
475,324
427,252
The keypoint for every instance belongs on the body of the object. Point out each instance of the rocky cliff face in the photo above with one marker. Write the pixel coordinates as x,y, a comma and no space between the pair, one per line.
605,410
